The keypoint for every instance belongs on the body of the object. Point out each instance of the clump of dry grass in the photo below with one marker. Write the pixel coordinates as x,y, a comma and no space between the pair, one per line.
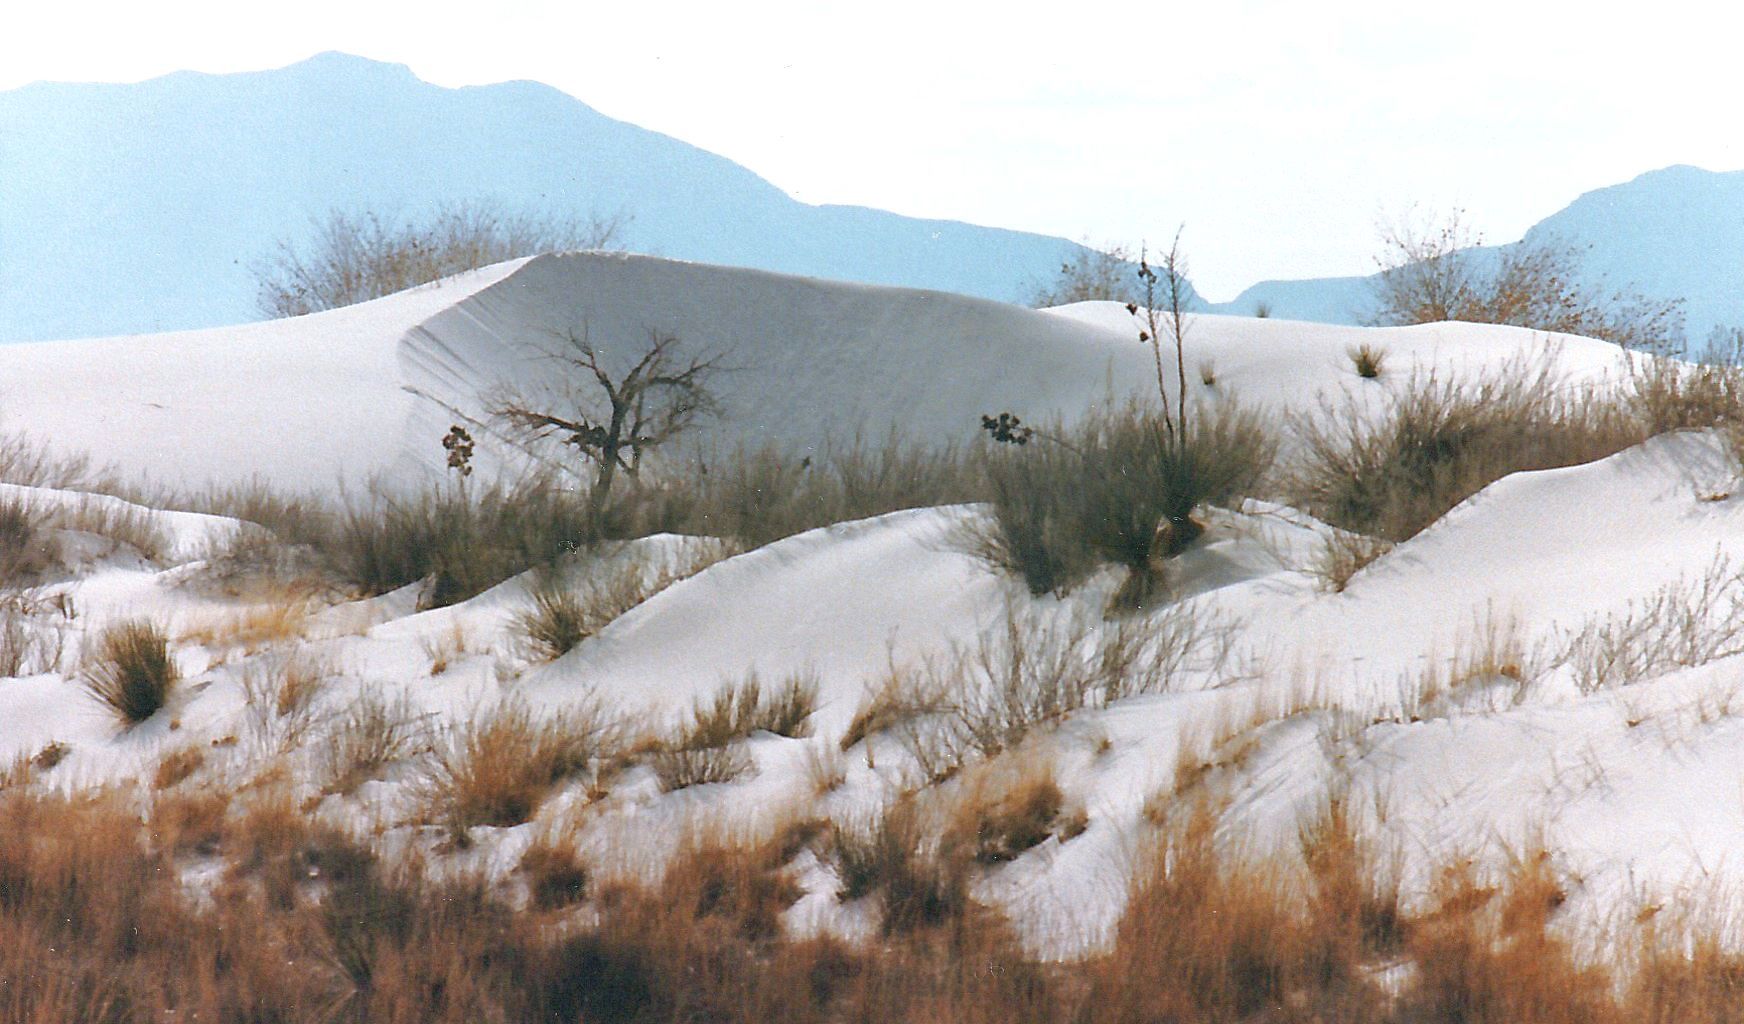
921,881
1442,440
26,549
278,617
558,616
121,522
178,766
1343,554
281,695
1120,489
371,734
1369,360
683,767
131,671
1008,809
738,711
556,877
497,768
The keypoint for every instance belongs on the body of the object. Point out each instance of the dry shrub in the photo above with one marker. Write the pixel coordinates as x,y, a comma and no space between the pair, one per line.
1435,272
759,497
901,696
1685,623
681,767
26,549
556,877
1119,489
131,671
1488,953
1368,359
737,711
178,766
280,695
1343,554
1208,936
121,522
559,617
1043,667
370,735
497,768
354,257
1442,440
1010,806
921,879
462,542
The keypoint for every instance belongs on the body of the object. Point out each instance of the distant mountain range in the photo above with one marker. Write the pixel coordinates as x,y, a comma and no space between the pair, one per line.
133,208
1668,234
144,207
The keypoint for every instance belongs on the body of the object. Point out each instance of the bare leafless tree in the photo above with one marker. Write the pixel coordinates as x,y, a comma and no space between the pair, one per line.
1093,273
613,418
355,257
1431,272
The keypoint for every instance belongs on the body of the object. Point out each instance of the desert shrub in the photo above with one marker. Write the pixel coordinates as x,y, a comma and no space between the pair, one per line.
1342,554
1092,273
25,549
760,496
280,695
121,522
559,615
1039,669
1685,623
1121,489
921,881
901,696
371,734
1431,273
554,620
555,875
1010,808
678,768
1208,937
131,670
496,769
1441,440
738,711
356,257
1368,360
463,542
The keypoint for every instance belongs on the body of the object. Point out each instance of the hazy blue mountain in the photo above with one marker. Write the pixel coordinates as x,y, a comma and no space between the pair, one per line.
1668,234
127,208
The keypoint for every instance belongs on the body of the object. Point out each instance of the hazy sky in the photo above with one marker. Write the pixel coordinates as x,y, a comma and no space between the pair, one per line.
1276,132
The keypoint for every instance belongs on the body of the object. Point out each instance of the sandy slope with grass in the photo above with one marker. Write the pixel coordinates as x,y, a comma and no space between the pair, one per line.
1555,664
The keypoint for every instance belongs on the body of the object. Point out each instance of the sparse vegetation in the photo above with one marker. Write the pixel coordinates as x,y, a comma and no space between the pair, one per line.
1368,359
371,734
1441,440
1094,272
497,768
1120,489
1685,623
355,257
131,671
1435,272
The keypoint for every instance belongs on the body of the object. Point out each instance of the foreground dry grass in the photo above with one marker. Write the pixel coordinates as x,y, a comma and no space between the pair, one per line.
120,907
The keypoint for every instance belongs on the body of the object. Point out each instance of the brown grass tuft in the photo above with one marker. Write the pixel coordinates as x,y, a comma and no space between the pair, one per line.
131,671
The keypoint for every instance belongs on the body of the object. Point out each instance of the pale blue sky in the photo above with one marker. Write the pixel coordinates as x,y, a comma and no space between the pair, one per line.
1277,132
